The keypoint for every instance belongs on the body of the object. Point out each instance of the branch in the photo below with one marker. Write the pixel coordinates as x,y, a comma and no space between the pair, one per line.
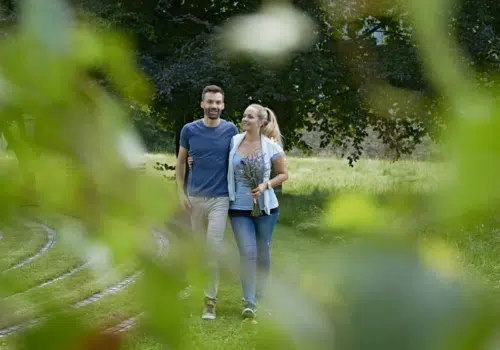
189,17
370,31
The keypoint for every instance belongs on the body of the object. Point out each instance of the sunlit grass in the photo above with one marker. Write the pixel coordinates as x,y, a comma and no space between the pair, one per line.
373,176
368,175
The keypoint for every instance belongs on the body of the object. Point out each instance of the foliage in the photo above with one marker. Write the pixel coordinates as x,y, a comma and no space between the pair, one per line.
323,88
342,86
155,138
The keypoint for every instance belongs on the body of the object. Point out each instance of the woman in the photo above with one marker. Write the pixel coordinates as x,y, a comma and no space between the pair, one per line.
261,134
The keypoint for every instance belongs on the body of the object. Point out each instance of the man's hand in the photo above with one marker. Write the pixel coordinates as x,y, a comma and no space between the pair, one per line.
190,162
184,200
256,192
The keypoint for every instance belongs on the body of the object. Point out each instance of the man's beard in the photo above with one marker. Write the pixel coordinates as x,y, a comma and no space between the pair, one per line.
212,115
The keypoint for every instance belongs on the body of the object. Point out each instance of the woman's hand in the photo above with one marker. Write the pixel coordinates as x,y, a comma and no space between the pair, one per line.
256,192
190,162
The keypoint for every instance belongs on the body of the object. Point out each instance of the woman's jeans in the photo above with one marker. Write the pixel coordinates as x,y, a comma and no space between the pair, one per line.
253,236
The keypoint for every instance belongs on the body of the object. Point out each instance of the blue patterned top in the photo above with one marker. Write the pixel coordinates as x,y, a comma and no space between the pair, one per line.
243,200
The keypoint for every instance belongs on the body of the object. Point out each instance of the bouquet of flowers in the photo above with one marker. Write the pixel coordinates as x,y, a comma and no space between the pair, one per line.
252,169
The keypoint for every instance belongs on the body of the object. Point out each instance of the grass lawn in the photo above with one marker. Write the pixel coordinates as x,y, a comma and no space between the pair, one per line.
298,242
229,331
12,253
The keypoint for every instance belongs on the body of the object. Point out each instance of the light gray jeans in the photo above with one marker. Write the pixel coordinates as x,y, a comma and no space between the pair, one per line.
209,216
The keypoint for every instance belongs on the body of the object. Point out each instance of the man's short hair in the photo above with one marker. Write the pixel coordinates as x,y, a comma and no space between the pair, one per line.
213,89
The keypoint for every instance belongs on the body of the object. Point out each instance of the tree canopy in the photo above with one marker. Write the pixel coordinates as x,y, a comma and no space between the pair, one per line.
362,71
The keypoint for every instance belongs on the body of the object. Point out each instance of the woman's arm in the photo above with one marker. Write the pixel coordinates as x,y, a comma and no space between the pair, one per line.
281,170
279,165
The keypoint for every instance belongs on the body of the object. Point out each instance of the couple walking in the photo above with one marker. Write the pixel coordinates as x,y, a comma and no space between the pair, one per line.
215,190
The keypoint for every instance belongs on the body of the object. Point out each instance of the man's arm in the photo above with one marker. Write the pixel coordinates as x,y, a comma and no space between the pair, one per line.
180,168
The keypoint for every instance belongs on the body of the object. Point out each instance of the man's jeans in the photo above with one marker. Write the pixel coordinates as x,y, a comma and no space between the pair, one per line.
253,236
209,215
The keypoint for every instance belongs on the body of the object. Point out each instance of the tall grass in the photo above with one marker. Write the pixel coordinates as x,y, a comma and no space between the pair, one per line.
314,180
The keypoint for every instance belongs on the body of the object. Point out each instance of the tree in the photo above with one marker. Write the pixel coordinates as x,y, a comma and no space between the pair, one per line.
299,92
334,87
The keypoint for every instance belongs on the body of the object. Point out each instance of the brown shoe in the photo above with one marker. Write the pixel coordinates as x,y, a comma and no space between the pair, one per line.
209,309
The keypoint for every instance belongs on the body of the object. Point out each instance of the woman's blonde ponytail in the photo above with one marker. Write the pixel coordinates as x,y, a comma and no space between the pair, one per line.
271,128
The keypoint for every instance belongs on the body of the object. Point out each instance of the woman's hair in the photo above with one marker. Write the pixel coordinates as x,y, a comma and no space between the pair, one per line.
270,128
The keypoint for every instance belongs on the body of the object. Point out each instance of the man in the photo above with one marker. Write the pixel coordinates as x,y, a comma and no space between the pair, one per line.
207,141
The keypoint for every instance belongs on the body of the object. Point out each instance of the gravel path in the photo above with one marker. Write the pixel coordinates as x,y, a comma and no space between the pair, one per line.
123,326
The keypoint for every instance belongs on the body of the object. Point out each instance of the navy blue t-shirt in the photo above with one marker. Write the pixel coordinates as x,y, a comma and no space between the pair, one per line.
209,148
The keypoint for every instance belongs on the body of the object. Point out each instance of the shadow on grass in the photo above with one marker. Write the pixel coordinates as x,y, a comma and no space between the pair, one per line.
305,213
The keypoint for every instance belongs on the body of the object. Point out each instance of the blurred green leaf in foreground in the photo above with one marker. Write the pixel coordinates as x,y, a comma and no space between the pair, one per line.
83,157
